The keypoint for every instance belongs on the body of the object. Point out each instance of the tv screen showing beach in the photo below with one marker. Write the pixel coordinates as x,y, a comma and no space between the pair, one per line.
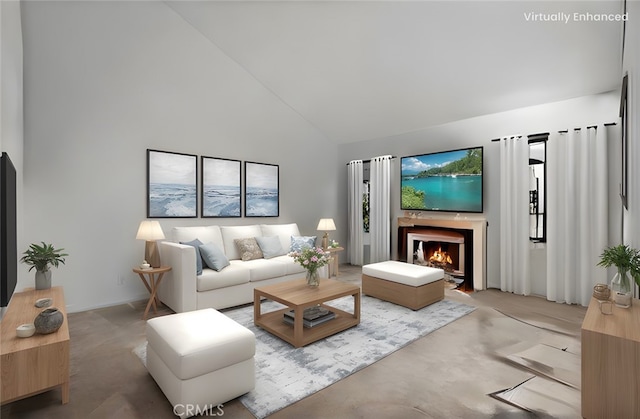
444,181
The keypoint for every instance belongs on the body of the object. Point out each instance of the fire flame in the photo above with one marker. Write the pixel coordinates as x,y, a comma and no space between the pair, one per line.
440,257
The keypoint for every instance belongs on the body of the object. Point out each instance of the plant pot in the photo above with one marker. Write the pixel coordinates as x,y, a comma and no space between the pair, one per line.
43,280
48,321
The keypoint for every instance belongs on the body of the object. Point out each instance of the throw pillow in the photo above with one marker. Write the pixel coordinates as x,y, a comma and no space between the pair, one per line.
214,257
196,244
248,248
300,242
270,246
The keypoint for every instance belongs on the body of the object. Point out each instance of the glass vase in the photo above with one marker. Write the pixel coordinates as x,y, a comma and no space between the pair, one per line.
621,289
313,279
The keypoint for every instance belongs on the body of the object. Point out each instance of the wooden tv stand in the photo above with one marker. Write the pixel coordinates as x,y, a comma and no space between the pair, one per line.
38,363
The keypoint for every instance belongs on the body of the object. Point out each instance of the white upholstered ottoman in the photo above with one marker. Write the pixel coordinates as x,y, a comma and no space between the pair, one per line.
200,359
412,286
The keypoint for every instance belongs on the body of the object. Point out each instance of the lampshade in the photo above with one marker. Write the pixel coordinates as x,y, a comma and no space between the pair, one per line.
150,230
326,224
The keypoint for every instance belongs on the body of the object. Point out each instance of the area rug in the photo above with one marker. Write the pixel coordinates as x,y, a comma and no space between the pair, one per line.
285,374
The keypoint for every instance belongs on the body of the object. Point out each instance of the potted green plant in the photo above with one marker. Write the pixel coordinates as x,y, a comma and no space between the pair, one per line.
627,262
41,257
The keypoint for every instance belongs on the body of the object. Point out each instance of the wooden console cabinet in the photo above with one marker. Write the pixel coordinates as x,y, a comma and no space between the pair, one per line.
611,362
38,363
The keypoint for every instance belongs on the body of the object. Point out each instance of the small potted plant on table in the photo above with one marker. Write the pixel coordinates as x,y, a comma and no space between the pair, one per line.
627,261
41,257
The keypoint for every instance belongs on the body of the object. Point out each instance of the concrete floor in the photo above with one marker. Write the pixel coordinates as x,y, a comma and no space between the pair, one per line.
446,374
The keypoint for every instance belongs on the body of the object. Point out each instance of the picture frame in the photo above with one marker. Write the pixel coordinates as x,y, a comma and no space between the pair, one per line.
262,190
624,188
220,188
171,184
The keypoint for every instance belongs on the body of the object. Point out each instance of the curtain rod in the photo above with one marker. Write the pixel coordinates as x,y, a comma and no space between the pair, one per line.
369,161
608,124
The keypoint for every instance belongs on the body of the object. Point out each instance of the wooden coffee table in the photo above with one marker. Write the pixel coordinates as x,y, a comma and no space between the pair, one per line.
297,295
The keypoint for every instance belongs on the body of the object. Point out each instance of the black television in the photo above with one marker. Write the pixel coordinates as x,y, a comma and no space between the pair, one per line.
448,181
8,231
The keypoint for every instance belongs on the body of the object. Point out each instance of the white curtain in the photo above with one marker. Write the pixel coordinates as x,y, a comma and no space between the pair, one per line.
379,214
355,246
514,215
577,213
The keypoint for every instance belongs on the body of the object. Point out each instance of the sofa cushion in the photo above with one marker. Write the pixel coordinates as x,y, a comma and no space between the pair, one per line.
206,234
261,269
270,246
248,249
283,231
196,243
234,274
300,242
230,233
213,256
290,265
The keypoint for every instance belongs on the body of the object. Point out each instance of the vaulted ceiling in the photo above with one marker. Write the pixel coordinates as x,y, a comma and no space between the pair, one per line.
358,70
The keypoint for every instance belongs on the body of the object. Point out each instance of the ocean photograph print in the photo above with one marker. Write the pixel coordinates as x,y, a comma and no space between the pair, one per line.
171,184
261,184
220,187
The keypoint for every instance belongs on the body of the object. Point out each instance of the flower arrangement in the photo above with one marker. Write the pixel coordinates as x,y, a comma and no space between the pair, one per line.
311,258
334,244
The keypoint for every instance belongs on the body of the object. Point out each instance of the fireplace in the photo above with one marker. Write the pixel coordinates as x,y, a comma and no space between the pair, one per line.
457,246
438,248
442,248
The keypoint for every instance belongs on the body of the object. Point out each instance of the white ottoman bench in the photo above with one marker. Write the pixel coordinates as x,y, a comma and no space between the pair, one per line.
200,359
412,286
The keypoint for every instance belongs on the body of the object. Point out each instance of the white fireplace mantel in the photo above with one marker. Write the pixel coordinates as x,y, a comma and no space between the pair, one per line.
476,224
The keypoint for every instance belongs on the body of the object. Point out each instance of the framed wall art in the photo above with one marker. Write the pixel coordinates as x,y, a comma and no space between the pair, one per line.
171,184
261,190
625,146
220,187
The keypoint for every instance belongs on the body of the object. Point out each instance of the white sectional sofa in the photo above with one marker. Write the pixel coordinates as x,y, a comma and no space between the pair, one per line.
183,290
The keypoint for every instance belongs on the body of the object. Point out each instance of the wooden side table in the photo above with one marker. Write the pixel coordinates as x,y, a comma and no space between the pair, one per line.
610,362
152,285
333,265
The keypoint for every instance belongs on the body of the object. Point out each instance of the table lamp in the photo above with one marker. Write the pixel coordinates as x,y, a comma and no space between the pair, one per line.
326,225
150,231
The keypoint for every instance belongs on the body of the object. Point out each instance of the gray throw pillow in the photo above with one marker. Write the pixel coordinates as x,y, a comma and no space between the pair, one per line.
248,248
270,246
214,257
300,242
196,244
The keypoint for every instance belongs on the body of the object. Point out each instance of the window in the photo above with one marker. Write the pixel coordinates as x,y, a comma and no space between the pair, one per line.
538,187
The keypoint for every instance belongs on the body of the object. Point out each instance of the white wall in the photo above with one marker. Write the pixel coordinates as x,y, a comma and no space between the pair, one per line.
479,132
104,81
11,113
11,121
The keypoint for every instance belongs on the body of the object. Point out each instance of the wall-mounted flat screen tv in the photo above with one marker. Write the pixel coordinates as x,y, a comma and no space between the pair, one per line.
443,181
8,230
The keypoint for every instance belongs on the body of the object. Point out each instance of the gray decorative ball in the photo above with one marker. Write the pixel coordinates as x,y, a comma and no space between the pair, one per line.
48,321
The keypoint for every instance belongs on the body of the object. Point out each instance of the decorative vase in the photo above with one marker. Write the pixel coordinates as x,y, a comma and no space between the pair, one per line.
48,321
621,289
43,280
313,279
